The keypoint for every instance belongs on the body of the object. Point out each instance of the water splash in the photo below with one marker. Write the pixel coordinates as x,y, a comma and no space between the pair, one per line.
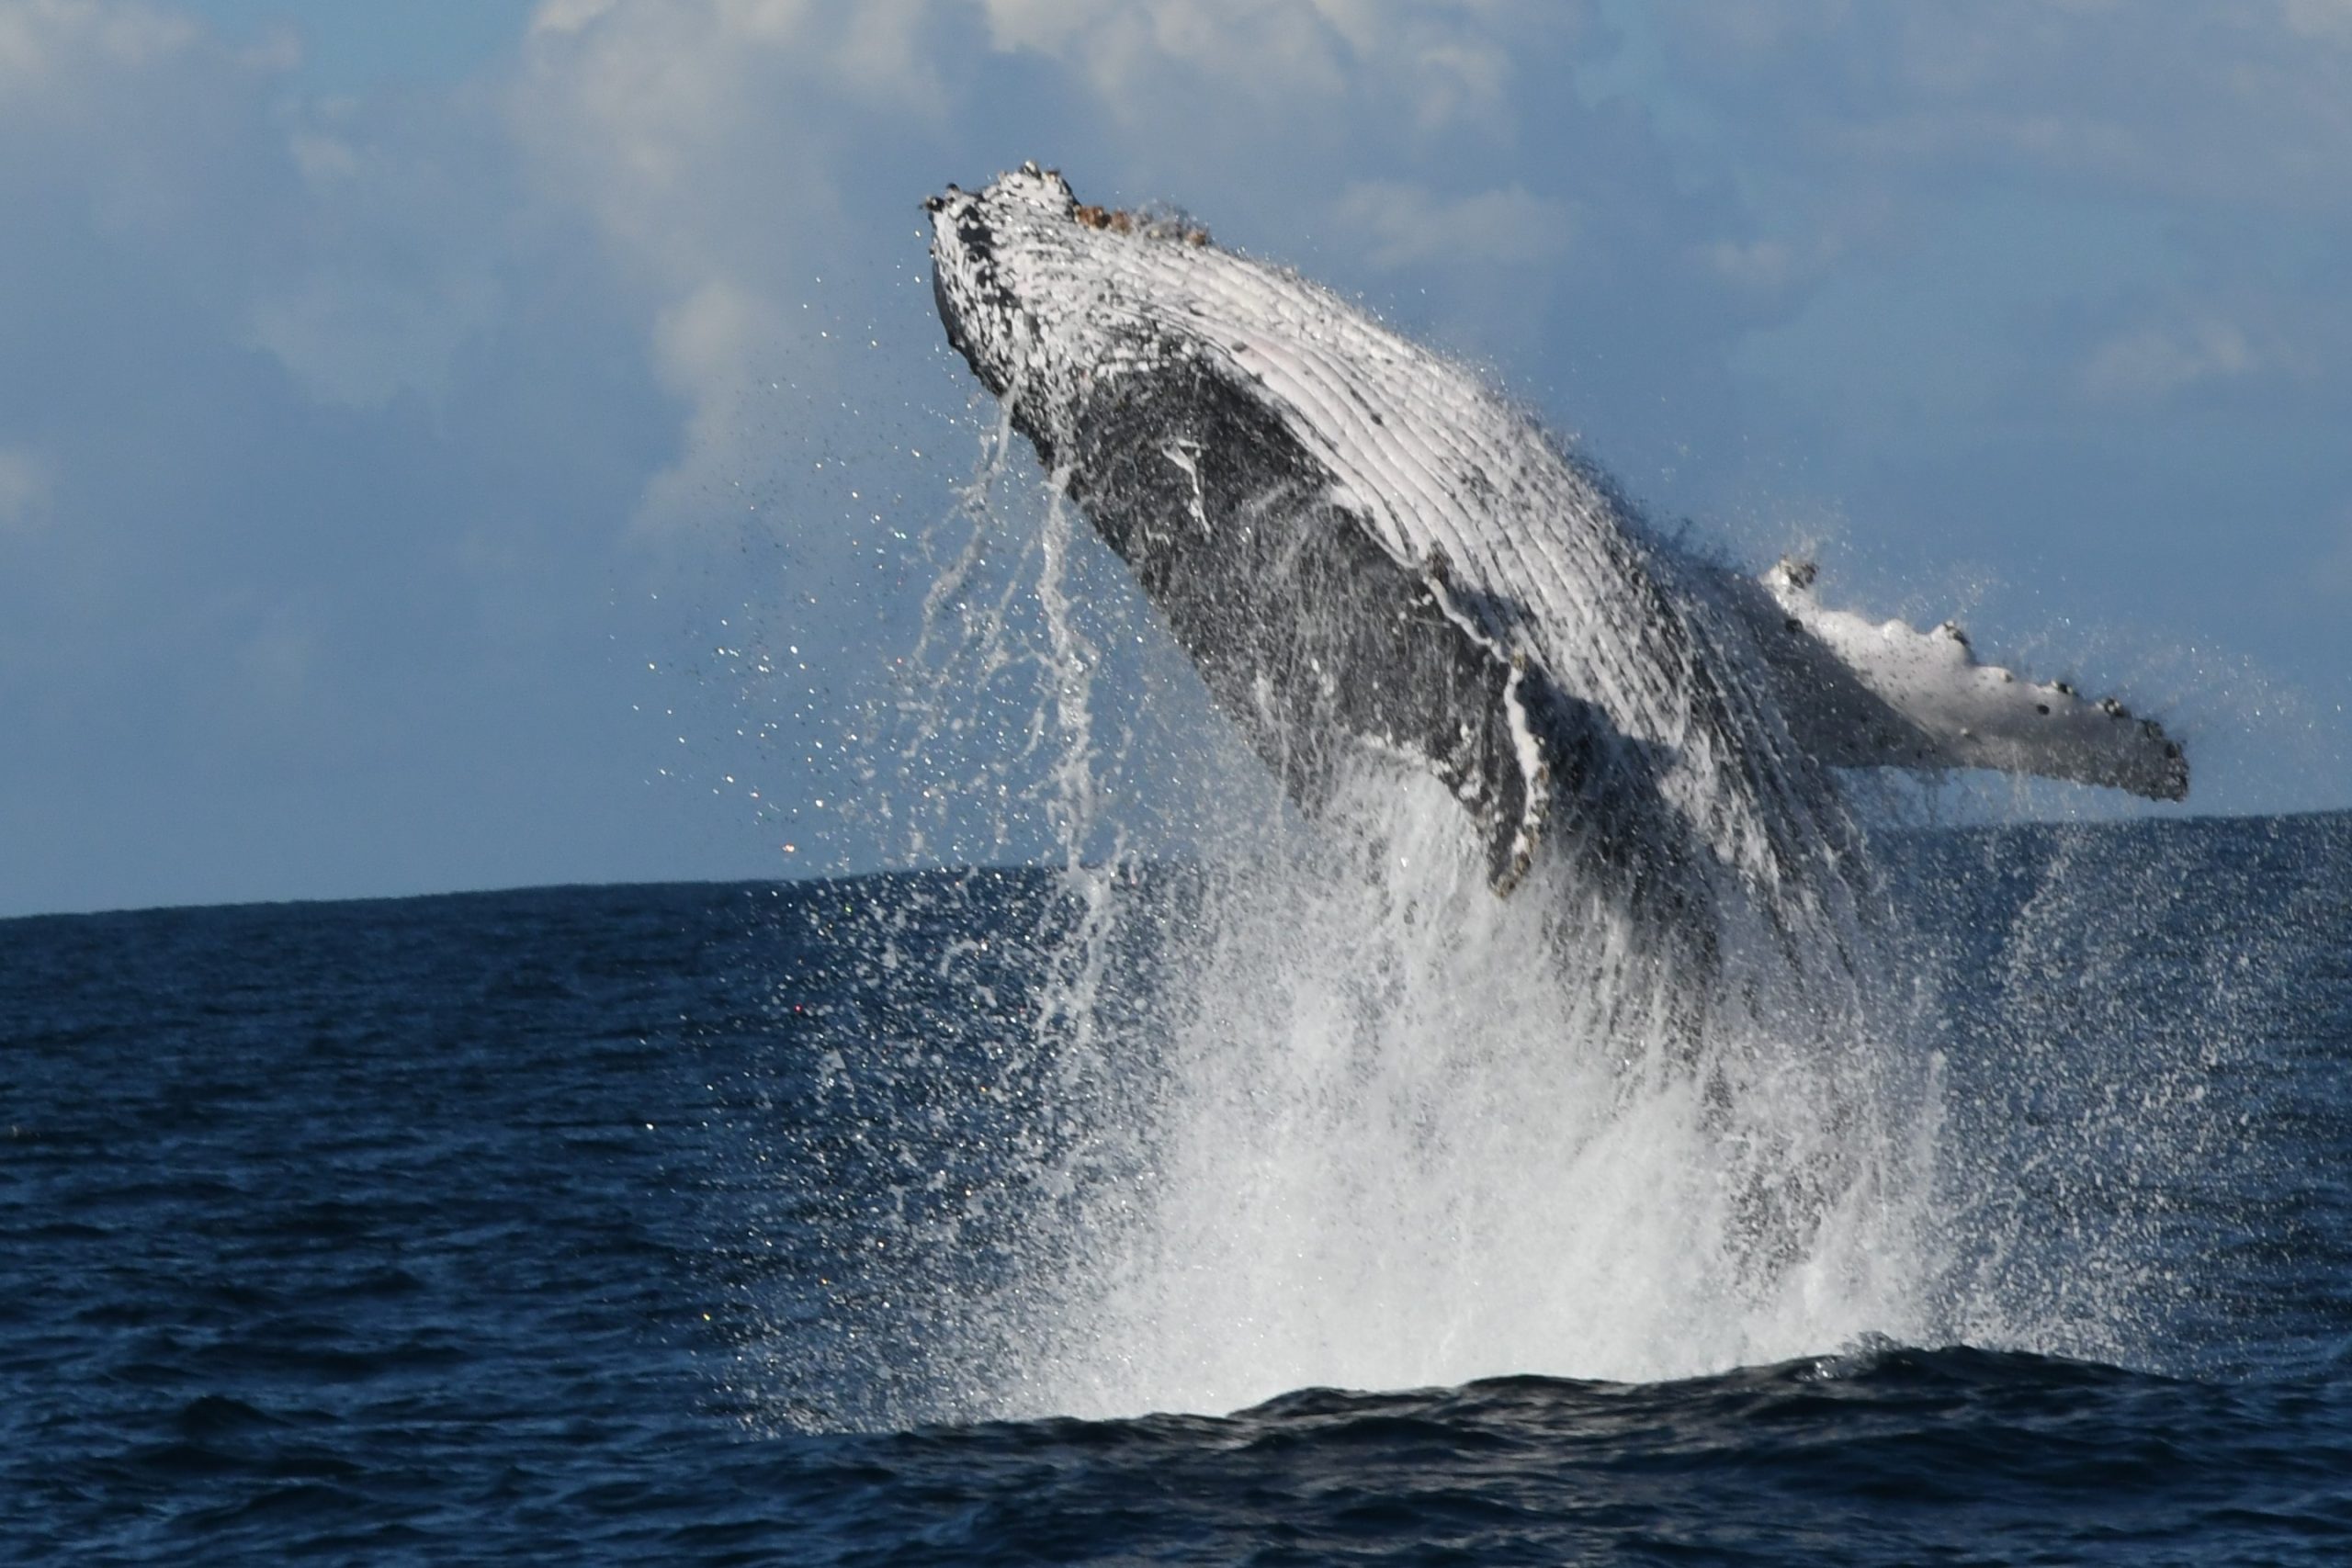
1372,1125
1352,1120
1402,1132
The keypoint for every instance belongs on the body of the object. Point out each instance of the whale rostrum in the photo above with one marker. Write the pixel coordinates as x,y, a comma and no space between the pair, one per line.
1362,547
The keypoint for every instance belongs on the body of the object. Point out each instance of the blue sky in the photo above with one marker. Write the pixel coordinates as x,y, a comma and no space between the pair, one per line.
452,445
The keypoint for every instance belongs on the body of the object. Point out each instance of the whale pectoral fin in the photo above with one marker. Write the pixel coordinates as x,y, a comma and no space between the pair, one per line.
1864,694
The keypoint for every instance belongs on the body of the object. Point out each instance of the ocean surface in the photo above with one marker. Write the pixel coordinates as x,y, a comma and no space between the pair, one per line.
1123,1215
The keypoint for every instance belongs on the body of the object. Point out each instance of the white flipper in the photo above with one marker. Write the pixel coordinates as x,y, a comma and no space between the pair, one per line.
1858,693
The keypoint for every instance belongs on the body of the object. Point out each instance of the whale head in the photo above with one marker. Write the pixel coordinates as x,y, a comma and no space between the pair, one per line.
979,295
1039,291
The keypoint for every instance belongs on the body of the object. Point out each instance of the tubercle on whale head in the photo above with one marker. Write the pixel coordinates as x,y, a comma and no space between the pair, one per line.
978,312
987,319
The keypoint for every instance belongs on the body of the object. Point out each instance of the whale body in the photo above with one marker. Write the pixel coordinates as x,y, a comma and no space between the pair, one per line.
1368,552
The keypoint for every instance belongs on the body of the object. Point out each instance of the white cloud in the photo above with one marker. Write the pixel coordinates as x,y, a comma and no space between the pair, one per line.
703,136
2154,362
26,485
2330,576
44,40
1770,266
359,341
594,260
1407,225
396,234
709,348
568,16
324,159
274,663
132,105
702,141
1446,60
2262,340
2228,103
2327,19
2020,172
709,336
340,247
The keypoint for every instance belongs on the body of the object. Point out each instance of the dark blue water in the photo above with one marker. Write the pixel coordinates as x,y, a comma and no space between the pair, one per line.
606,1223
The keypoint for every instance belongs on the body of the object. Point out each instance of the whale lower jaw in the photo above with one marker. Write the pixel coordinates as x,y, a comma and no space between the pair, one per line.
1364,552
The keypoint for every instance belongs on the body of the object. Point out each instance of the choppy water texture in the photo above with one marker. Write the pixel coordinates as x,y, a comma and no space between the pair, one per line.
870,1220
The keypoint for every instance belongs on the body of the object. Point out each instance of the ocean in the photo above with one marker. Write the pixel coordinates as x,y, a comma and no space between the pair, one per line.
1160,1213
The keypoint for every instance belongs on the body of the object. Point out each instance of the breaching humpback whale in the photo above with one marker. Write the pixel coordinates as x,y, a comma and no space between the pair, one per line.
1364,549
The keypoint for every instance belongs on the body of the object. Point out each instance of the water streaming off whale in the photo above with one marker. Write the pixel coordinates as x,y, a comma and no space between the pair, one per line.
1559,1021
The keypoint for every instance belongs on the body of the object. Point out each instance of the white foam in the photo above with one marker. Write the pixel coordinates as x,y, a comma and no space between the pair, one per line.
1392,1143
